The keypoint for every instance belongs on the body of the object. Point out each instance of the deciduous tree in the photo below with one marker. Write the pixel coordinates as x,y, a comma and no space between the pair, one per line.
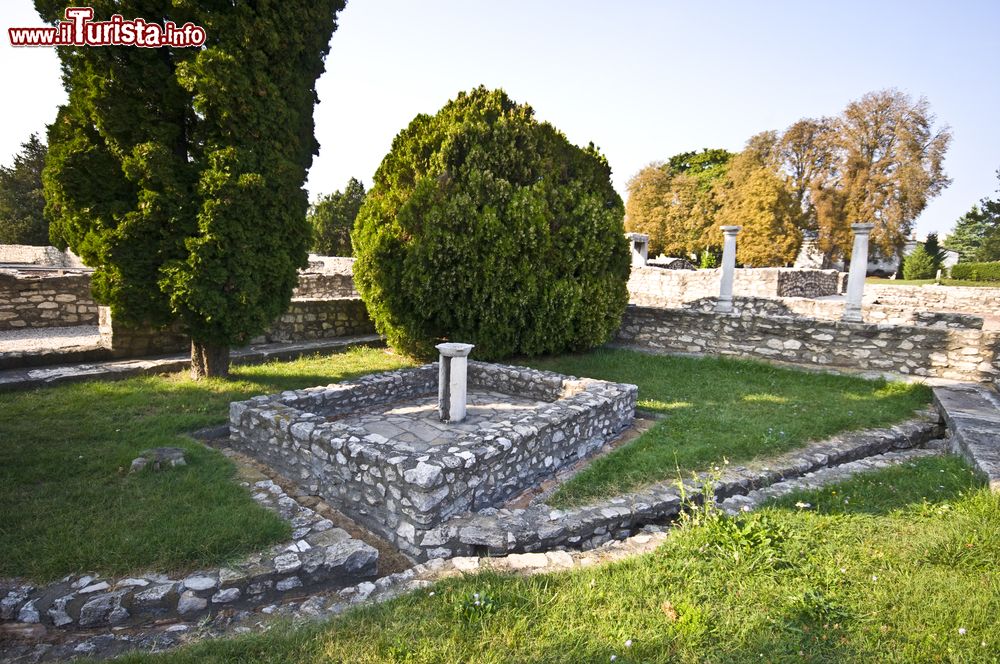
889,162
754,196
674,202
177,173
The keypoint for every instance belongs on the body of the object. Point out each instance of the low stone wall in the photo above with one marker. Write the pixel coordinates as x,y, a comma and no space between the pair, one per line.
27,254
45,300
833,309
319,556
966,299
401,490
656,286
327,277
308,319
125,341
934,351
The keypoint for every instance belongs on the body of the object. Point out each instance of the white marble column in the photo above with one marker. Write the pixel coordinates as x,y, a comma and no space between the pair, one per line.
452,388
725,303
857,273
639,242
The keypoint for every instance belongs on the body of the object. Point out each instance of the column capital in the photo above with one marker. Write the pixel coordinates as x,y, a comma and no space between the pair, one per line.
730,230
452,349
862,229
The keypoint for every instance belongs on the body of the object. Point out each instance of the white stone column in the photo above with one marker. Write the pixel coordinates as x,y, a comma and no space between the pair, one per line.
857,273
452,388
725,303
639,243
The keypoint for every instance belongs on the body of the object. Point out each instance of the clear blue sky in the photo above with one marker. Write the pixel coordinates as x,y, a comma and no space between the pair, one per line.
643,80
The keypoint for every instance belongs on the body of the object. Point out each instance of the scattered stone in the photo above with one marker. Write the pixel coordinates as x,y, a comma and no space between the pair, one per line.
200,582
226,596
159,458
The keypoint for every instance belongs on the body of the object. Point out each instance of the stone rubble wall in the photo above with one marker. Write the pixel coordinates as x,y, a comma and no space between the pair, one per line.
320,556
973,300
404,490
543,528
308,319
39,300
832,310
656,286
938,352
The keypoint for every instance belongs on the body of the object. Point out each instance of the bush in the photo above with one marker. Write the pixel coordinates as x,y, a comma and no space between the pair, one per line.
919,265
976,271
485,226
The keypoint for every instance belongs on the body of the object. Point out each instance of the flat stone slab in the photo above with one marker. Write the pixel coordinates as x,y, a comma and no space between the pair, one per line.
972,415
417,420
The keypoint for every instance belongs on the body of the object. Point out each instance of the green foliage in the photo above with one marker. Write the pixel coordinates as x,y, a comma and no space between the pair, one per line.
70,504
934,250
919,264
969,232
977,271
488,227
674,203
22,206
177,173
714,408
332,218
709,260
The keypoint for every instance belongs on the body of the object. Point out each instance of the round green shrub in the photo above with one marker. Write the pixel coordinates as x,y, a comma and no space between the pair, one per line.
485,226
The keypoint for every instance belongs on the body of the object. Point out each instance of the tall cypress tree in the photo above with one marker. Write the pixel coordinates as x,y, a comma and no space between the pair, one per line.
177,173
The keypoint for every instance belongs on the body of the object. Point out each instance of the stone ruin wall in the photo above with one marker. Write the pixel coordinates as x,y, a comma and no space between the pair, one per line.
976,300
39,300
655,286
934,350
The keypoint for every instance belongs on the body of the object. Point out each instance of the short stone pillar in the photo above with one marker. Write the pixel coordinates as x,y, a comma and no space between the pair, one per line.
640,248
858,272
452,388
725,303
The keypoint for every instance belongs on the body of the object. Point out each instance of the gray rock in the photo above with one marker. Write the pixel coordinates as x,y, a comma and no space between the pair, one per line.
28,613
226,596
57,612
190,603
98,611
289,583
159,458
94,588
200,582
153,596
424,475
287,562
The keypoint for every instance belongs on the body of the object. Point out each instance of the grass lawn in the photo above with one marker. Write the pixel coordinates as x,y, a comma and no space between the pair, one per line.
68,504
924,282
718,408
894,566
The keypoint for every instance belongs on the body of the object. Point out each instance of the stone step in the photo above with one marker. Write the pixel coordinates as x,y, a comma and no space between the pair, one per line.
972,416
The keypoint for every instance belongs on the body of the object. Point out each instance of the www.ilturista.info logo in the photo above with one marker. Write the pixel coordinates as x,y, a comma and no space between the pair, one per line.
80,30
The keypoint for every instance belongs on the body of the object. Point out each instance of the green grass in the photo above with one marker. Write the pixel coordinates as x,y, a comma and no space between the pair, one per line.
718,408
924,282
68,504
893,575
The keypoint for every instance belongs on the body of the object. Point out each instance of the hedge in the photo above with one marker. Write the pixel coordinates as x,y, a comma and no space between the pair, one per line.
976,271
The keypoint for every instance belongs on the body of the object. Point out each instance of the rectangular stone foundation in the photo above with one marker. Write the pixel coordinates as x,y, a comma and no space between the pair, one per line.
405,481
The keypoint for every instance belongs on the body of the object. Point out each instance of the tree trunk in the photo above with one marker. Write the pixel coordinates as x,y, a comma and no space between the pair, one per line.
209,360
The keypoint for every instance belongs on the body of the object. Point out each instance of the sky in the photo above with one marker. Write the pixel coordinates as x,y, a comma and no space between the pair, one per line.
643,80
